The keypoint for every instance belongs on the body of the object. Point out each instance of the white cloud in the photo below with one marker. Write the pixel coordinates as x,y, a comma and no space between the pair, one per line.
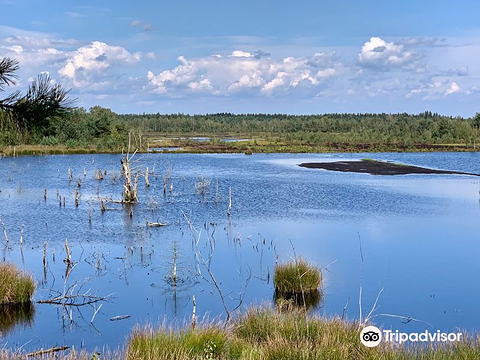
243,71
453,88
381,55
435,89
87,65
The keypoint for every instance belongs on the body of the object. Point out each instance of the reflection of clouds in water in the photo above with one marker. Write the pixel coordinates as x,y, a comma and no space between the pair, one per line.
459,187
294,162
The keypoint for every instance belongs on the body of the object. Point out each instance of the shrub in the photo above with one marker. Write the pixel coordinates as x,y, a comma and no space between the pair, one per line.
15,286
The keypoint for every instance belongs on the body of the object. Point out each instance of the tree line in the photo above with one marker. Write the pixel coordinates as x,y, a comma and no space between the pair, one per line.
47,115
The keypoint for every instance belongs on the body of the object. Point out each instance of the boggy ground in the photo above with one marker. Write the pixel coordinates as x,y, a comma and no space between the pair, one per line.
378,168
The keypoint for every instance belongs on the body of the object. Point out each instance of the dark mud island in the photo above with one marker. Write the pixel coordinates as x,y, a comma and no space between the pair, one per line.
374,167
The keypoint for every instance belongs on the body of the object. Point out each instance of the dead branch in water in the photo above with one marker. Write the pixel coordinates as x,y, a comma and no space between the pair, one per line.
48,351
202,185
155,224
73,300
4,230
229,211
147,182
99,175
194,313
76,197
129,188
206,262
68,259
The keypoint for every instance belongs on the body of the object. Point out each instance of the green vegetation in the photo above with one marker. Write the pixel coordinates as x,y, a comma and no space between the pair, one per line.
45,117
15,286
296,277
204,343
264,334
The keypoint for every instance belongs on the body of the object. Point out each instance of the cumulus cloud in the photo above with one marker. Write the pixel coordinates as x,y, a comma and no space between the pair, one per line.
242,71
32,57
88,65
378,54
436,88
452,89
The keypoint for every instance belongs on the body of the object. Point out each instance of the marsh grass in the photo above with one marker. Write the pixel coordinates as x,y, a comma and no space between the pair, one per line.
208,342
264,334
16,286
296,277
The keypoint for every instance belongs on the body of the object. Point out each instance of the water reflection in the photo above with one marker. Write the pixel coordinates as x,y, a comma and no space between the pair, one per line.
14,315
310,300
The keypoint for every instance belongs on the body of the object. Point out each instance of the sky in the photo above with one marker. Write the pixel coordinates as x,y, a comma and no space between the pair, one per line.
209,56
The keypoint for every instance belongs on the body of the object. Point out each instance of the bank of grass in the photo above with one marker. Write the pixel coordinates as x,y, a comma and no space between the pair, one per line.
296,277
273,145
265,334
16,287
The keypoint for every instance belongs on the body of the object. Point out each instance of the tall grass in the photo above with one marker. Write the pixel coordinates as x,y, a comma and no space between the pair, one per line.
296,276
16,286
264,334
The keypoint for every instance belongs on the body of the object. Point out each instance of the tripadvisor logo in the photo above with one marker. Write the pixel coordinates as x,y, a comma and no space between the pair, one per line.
371,336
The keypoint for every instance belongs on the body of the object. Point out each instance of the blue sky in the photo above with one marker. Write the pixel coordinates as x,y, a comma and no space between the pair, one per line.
252,56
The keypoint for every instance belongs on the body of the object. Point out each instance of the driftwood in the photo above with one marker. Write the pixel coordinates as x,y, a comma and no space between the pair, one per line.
48,351
155,224
147,182
119,317
73,300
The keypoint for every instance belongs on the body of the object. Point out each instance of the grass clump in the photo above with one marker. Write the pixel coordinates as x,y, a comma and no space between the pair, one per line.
16,286
209,342
296,277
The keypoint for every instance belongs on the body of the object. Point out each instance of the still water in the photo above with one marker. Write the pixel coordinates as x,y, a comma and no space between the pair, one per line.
419,236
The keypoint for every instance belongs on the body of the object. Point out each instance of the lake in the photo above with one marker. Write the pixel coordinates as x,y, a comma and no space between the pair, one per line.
418,234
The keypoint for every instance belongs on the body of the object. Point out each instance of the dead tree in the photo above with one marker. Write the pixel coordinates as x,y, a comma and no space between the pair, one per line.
129,188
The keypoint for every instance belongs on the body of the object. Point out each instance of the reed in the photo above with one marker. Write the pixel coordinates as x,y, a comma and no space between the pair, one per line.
16,286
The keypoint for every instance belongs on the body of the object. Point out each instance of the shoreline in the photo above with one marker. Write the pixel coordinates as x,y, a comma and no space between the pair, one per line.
245,148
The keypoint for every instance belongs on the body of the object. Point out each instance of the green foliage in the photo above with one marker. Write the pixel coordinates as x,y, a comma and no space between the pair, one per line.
15,286
296,276
263,334
203,343
44,99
